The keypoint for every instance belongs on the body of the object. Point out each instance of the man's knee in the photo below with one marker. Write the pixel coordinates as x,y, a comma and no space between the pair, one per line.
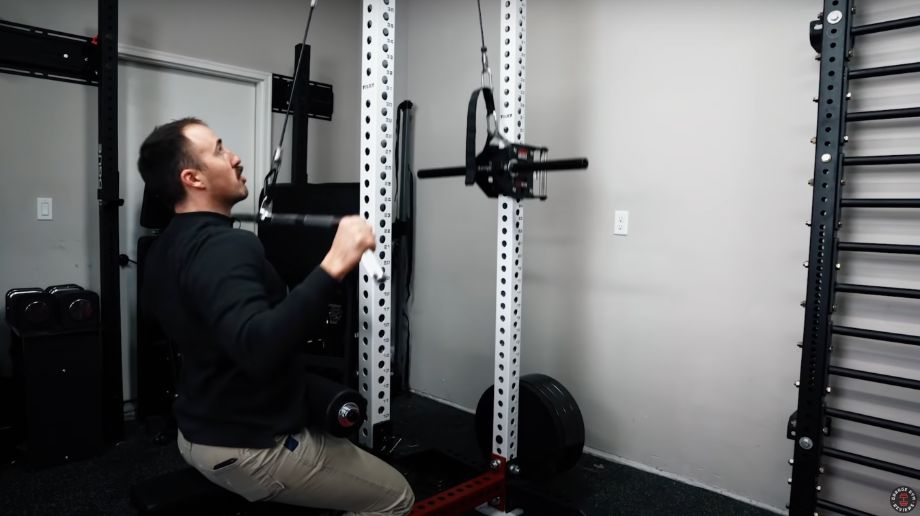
405,502
405,499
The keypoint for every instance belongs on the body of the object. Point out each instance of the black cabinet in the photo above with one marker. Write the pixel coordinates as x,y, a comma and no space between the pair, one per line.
57,377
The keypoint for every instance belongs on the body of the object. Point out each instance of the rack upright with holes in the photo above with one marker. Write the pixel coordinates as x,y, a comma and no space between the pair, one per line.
377,170
489,490
833,36
509,273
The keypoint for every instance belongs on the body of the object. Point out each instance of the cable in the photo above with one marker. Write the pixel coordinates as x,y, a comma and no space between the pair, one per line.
303,42
482,31
486,86
272,176
265,211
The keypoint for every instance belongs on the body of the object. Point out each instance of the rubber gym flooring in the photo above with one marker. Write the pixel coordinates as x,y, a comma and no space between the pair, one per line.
595,487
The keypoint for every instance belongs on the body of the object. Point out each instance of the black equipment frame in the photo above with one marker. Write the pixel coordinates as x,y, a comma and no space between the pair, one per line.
48,54
833,36
809,424
109,203
313,100
301,125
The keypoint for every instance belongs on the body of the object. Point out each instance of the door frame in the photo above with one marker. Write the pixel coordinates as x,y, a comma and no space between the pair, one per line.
262,81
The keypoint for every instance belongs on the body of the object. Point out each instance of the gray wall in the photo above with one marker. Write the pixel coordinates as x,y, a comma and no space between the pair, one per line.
678,340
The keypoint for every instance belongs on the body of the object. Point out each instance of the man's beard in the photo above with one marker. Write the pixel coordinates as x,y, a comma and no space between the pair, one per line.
243,195
239,172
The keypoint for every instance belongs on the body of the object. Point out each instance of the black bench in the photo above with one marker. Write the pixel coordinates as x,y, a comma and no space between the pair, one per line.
187,492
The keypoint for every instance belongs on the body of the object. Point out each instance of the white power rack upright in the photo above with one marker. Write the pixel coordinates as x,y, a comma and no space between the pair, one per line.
377,172
508,288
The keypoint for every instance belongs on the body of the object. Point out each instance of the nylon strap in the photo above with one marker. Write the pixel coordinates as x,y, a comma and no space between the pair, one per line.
471,130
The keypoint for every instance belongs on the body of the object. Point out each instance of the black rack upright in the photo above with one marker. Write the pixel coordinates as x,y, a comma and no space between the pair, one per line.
833,36
109,204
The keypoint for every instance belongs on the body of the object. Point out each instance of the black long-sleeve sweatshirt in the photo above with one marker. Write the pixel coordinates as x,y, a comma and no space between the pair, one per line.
214,294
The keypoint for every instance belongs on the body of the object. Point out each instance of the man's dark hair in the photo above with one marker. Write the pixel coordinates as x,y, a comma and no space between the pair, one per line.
164,154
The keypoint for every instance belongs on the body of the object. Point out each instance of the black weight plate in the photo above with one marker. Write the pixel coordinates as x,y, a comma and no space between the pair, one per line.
550,427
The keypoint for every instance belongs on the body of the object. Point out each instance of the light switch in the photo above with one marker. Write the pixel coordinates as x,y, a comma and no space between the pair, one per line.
44,208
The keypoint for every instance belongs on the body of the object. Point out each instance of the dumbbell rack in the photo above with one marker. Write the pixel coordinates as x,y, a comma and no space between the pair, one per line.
833,36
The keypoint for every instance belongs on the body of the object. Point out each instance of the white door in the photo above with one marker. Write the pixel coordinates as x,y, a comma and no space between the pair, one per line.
234,103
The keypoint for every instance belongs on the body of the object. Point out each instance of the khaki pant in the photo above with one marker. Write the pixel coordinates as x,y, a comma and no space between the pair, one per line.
308,469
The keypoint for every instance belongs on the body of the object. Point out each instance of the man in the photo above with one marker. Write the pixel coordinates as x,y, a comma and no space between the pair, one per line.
241,393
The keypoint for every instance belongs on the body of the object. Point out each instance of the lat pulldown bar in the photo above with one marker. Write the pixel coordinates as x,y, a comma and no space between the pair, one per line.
505,168
292,219
516,166
314,221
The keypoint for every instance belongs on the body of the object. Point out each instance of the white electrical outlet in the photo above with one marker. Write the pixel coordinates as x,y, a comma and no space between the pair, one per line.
621,223
44,209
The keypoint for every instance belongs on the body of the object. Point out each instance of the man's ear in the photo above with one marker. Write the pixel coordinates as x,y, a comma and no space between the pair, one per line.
191,178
